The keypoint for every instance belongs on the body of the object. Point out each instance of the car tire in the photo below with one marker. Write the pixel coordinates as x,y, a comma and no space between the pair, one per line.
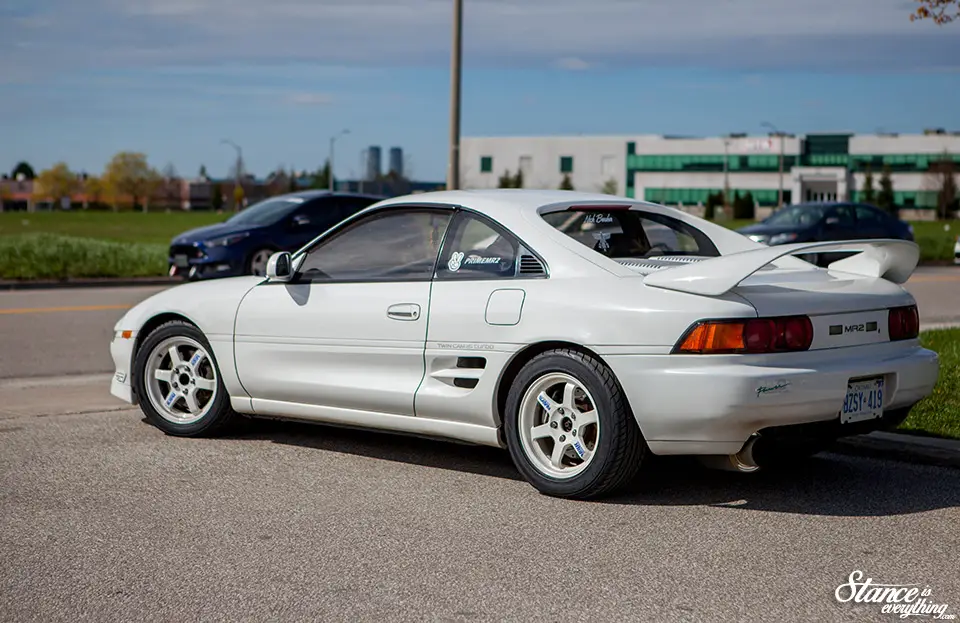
186,397
256,263
611,448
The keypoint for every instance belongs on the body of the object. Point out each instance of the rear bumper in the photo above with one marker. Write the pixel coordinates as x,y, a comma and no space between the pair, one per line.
690,404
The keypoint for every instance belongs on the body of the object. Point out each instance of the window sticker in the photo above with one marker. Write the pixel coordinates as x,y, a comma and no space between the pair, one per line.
455,260
476,259
598,218
602,238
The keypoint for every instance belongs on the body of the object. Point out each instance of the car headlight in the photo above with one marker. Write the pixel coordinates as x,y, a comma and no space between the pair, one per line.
226,241
782,238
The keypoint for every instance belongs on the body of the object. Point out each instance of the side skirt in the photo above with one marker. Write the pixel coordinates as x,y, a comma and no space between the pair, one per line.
442,429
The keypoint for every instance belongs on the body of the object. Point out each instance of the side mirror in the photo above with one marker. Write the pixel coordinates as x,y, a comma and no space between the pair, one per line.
280,266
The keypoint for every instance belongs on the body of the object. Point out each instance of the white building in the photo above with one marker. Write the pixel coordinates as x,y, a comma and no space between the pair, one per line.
685,171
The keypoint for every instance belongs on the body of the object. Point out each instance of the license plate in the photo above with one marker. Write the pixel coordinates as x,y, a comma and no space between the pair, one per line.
180,261
864,401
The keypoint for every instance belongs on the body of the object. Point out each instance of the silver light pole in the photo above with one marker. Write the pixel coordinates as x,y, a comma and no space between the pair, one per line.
778,133
456,56
333,139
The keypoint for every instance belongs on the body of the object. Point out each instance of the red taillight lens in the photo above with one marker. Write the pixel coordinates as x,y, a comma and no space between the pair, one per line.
903,323
756,335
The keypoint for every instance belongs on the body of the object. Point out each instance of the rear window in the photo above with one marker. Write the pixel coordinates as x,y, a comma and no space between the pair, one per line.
631,233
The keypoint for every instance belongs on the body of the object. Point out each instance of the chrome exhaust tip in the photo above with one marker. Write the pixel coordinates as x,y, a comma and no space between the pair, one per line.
743,461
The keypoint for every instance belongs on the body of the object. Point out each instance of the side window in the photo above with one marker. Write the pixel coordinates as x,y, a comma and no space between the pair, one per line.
348,206
841,216
316,215
389,245
868,217
631,233
477,249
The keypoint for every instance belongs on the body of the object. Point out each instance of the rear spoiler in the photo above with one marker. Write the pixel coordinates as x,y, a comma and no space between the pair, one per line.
894,260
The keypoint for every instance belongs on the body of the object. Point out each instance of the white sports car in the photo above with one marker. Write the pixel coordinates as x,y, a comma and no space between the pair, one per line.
582,332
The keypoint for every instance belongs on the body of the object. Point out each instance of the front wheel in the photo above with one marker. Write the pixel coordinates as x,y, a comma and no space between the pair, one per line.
569,428
179,383
257,263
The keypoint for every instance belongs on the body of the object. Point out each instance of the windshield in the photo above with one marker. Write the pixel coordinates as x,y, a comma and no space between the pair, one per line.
266,212
625,234
796,216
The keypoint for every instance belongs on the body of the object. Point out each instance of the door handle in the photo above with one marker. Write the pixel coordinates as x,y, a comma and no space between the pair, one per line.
404,311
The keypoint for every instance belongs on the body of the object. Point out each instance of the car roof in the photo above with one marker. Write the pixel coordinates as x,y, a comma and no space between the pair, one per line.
317,193
507,201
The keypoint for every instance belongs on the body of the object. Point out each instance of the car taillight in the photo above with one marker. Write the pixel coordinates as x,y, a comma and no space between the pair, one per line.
754,335
903,323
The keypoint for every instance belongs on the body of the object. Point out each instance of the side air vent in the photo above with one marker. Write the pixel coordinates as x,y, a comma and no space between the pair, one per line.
530,265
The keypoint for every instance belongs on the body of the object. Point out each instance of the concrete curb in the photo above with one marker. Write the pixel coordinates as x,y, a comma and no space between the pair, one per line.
89,283
901,447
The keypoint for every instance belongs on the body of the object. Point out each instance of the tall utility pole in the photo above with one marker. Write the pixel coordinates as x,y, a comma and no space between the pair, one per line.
456,55
333,139
239,170
726,175
777,132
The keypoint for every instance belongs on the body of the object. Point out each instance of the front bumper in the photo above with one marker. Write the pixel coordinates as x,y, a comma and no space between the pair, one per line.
201,262
695,404
121,351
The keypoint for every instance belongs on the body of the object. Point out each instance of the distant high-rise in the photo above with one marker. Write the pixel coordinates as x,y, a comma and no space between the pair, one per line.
396,161
373,162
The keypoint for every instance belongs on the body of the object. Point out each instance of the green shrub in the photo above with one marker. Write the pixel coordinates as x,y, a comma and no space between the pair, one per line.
50,256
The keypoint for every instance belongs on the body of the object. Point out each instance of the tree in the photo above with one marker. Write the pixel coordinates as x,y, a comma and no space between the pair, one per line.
24,169
321,178
511,181
743,206
216,197
238,195
92,191
5,194
171,186
885,198
292,181
942,180
566,183
128,176
55,183
609,187
867,193
714,200
203,172
940,11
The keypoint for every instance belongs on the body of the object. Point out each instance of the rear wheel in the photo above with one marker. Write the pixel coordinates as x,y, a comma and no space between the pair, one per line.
179,384
569,428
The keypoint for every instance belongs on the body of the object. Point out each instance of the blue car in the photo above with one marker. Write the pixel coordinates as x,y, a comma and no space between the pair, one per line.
831,221
243,243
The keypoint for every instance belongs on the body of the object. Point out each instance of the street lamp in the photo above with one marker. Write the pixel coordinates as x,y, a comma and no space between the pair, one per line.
456,56
239,170
333,139
777,132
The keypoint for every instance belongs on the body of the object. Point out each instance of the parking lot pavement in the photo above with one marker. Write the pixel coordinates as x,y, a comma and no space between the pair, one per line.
104,518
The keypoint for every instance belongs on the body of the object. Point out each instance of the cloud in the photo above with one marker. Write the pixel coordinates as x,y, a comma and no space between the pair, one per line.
310,99
572,63
749,34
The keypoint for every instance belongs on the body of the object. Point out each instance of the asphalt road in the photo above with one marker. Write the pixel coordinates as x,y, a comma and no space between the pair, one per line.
52,332
104,518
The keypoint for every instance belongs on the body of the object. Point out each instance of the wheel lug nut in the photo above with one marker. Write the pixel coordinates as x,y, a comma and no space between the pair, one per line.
573,417
553,424
560,411
563,437
574,432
